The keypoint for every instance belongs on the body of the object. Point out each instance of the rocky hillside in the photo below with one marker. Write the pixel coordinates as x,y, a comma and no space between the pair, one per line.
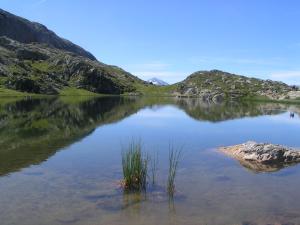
217,85
34,59
25,31
38,68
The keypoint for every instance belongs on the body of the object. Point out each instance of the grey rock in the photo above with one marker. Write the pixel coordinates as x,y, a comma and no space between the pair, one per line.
263,157
218,98
264,153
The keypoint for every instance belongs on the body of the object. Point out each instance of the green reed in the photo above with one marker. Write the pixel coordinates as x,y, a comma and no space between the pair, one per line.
174,156
154,166
135,167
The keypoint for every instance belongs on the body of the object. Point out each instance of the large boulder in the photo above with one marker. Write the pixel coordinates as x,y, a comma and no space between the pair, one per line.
263,156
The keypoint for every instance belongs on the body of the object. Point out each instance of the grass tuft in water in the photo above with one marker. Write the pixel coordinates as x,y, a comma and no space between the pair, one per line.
174,156
154,166
135,166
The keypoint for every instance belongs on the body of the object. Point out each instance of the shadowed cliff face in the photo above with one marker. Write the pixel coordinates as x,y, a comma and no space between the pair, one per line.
24,31
32,130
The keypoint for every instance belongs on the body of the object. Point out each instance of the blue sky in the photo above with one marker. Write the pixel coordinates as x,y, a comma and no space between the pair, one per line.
172,39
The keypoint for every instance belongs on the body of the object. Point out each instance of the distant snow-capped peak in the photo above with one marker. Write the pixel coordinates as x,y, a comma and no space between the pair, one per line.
157,82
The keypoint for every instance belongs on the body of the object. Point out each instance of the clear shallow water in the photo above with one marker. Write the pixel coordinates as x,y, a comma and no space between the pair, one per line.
60,162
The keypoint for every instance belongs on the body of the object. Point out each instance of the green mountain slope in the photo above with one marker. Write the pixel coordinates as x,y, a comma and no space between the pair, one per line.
34,59
38,68
217,85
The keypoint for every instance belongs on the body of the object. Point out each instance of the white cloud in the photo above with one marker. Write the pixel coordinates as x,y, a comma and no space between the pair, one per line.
290,77
150,66
168,73
168,76
168,112
157,69
247,61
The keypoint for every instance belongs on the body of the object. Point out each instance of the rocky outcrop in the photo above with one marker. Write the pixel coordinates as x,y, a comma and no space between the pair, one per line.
263,157
216,85
294,95
25,31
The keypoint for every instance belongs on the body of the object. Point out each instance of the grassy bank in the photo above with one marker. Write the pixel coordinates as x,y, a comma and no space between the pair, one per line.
4,92
141,90
267,100
152,90
70,91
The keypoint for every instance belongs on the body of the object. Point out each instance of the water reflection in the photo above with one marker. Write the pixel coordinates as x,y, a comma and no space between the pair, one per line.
79,185
256,167
133,202
31,130
200,110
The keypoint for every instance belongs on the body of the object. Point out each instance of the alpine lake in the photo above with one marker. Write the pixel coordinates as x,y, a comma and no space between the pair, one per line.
61,161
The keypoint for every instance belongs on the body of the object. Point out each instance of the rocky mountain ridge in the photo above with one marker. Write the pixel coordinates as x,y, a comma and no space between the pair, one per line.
25,31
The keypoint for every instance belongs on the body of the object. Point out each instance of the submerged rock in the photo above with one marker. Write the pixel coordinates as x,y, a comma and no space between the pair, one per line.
263,157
